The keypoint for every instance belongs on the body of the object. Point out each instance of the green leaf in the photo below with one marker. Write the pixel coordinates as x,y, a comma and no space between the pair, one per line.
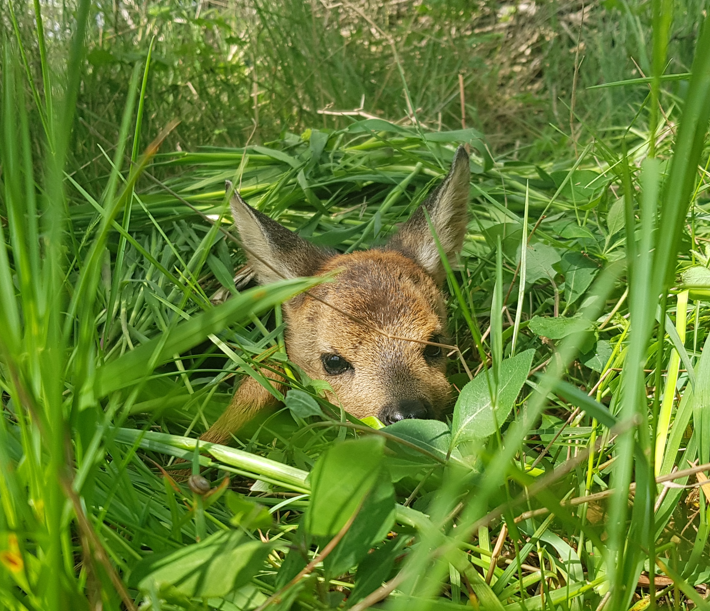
569,229
373,422
456,135
377,125
584,401
246,597
376,567
697,280
101,57
682,76
301,404
371,526
689,146
247,513
616,220
473,414
278,155
337,237
138,363
433,436
541,259
213,568
343,476
701,409
579,273
559,327
471,136
598,359
581,186
295,561
696,276
220,271
317,142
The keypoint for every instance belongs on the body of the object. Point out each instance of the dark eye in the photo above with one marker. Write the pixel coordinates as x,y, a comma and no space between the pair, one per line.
335,364
433,352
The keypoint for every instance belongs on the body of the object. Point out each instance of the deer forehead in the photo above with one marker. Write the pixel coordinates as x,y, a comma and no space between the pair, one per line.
373,290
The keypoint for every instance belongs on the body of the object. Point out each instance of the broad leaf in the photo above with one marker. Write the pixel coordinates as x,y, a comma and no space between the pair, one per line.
541,260
580,187
246,597
343,476
474,416
579,272
697,276
432,436
301,404
597,359
569,229
248,513
377,125
560,327
376,567
616,220
222,273
697,280
216,566
371,526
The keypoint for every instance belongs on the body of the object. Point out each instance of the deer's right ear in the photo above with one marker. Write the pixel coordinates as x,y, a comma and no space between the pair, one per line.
274,252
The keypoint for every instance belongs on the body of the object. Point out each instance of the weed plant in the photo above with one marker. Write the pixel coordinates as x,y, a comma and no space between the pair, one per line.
571,473
249,71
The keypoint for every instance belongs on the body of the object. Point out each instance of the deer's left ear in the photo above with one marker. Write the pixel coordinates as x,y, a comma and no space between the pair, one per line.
447,207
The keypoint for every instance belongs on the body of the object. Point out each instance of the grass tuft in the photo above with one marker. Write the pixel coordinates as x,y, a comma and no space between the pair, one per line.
572,472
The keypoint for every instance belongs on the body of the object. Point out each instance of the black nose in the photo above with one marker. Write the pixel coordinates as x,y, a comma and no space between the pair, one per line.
406,409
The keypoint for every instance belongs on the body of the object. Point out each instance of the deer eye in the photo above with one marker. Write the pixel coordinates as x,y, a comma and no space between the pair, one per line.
433,352
334,364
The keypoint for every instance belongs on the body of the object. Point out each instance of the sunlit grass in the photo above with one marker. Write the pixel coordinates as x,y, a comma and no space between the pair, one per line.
578,306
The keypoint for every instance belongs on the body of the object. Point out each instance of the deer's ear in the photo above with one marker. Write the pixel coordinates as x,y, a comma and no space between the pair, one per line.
447,207
274,252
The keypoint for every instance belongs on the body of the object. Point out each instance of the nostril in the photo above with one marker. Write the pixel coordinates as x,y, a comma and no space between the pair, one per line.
407,409
393,417
412,409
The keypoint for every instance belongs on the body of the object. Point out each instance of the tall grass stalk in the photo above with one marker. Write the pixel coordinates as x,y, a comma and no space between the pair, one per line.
561,477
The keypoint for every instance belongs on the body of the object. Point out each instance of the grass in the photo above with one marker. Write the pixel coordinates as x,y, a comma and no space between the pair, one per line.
250,72
566,476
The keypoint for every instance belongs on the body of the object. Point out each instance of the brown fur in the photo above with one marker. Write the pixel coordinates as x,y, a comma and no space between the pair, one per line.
387,305
385,290
250,398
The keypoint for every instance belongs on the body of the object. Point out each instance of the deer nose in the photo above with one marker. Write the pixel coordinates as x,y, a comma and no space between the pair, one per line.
406,409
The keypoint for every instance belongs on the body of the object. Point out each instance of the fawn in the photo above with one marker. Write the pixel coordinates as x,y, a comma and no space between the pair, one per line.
375,333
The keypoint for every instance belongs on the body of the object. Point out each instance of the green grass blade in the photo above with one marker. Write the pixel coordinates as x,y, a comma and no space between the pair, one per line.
683,170
135,365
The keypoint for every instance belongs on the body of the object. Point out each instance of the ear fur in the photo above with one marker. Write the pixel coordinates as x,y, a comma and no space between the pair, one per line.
274,252
447,207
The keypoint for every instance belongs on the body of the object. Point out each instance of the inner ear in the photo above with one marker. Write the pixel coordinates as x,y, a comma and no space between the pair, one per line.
274,252
447,207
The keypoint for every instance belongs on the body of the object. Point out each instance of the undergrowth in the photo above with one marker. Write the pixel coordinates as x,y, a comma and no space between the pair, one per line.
569,475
